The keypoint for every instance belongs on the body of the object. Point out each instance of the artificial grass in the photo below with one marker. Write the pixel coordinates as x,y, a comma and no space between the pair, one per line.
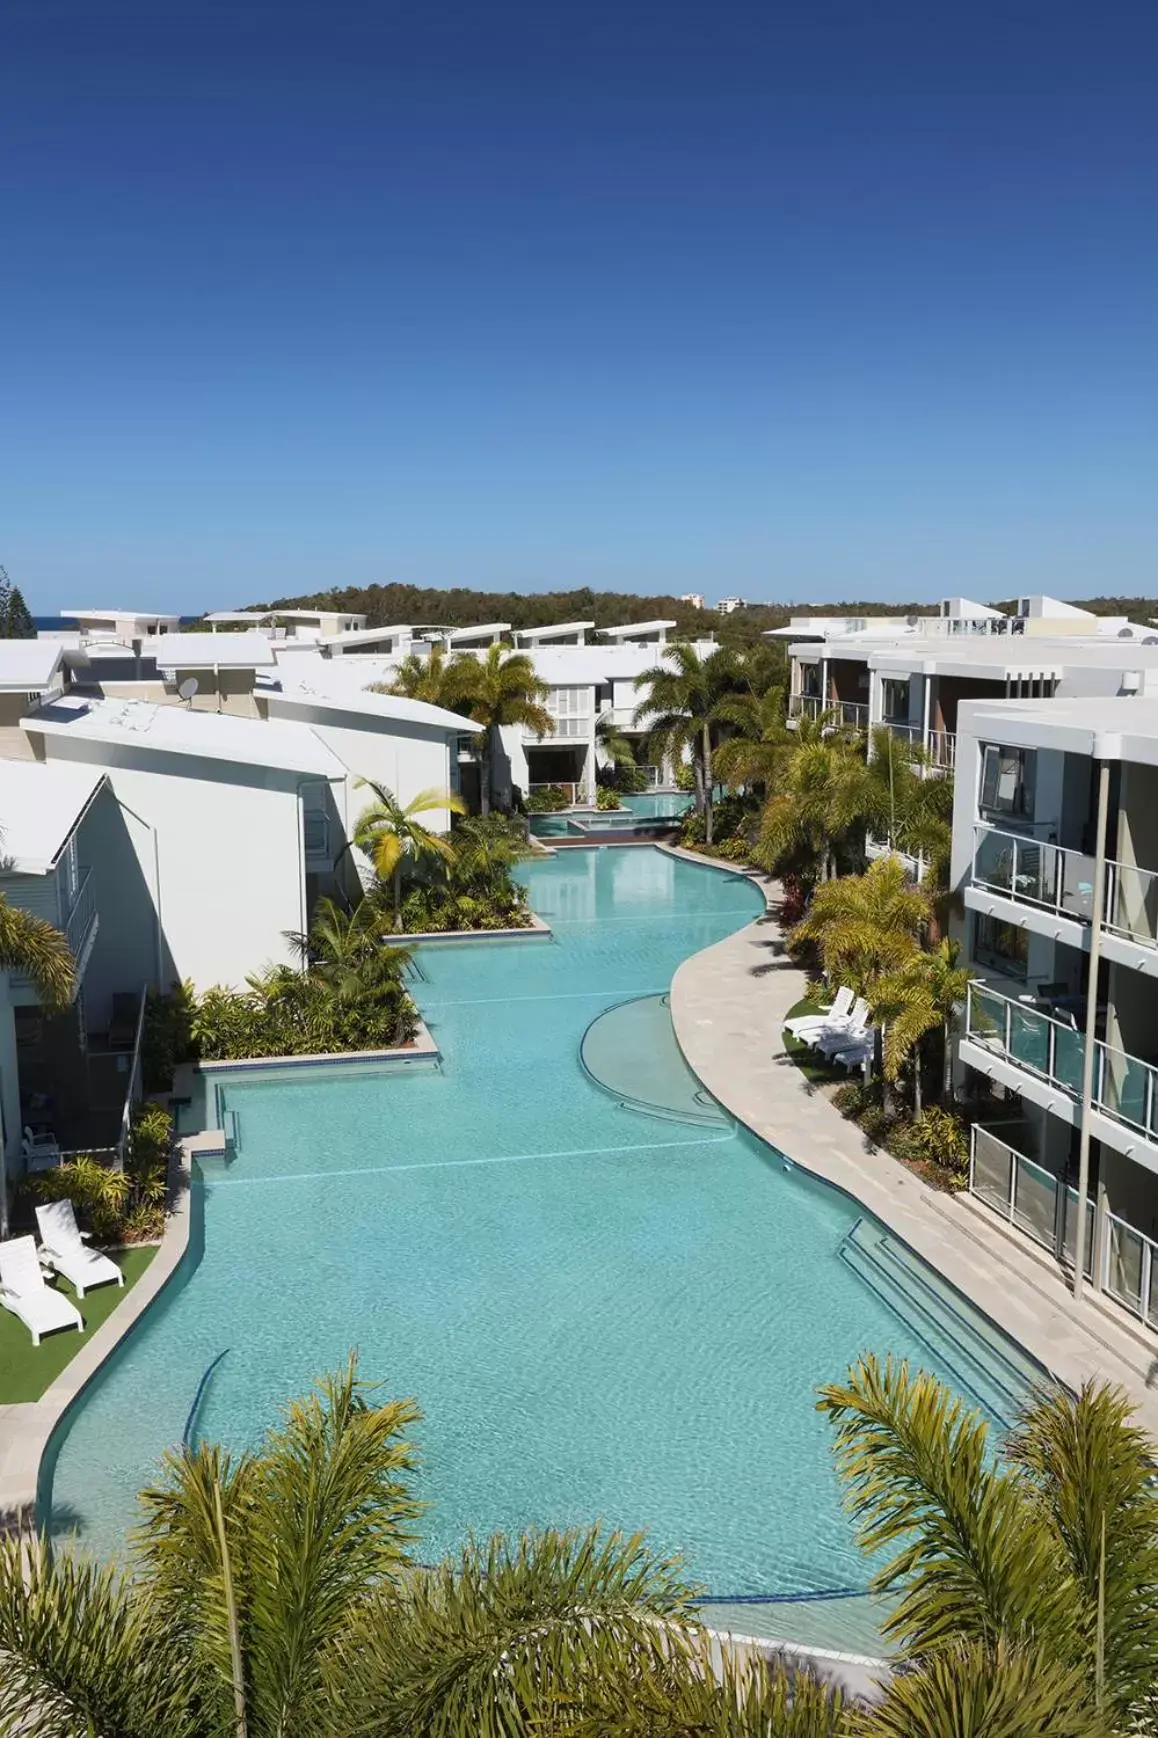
811,1063
26,1371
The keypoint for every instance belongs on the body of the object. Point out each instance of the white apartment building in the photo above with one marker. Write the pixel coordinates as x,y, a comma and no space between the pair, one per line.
728,605
910,674
1055,854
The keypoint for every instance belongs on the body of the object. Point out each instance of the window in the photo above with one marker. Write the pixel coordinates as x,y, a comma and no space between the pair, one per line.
895,700
1001,946
1007,778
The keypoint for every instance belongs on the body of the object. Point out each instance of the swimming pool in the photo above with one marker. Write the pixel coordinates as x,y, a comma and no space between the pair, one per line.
642,813
608,1300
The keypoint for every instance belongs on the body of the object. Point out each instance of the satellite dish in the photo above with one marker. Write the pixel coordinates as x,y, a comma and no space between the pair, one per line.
187,689
1125,633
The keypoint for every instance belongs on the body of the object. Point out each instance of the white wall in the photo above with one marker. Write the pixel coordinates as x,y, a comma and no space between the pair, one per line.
220,847
405,757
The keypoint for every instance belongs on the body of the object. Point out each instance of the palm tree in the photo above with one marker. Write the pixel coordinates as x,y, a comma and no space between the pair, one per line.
31,946
617,748
817,807
392,834
344,950
274,1595
1031,1578
865,926
418,678
910,805
924,994
761,744
498,689
682,710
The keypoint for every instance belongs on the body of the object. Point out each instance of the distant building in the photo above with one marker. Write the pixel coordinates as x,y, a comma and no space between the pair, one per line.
727,604
695,598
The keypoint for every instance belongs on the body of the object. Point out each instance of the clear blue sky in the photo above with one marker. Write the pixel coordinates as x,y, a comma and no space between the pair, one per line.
800,300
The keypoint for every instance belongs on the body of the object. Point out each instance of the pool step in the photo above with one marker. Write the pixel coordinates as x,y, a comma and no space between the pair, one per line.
987,1367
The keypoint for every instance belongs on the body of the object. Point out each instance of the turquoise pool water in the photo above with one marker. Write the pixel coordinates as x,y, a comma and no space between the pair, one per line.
603,1312
638,814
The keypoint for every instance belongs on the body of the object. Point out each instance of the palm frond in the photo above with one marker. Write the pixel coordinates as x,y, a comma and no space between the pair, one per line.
970,1690
30,945
970,1560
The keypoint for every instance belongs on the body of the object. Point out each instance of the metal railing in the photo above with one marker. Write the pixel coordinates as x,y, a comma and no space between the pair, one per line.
134,1091
82,915
573,792
1028,1196
853,714
1124,1087
1032,872
1130,1274
805,706
902,730
942,748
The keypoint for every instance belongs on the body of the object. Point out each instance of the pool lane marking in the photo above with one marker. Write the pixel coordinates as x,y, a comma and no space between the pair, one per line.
453,1164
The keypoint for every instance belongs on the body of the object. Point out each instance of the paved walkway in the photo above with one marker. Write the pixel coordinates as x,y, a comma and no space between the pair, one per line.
728,1006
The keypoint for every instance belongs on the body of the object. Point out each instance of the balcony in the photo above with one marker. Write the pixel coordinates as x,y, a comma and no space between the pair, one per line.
1051,1050
942,749
805,706
577,729
1033,873
1132,903
1028,1196
852,714
78,921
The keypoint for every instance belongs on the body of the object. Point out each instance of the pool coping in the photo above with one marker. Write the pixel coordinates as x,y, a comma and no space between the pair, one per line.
26,1428
423,1048
728,1003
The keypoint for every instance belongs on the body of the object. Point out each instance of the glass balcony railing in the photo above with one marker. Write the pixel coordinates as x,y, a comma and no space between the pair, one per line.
1032,872
1132,902
1029,1196
1123,1087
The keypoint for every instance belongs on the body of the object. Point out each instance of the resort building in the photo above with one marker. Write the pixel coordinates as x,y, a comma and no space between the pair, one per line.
911,673
124,625
1055,855
50,827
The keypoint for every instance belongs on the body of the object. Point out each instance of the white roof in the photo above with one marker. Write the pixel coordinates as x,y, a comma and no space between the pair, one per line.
475,633
238,615
326,686
115,616
29,666
210,651
40,805
367,636
1110,727
630,629
316,615
175,729
555,629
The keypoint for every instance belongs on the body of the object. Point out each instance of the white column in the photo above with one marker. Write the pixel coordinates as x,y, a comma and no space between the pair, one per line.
1091,1032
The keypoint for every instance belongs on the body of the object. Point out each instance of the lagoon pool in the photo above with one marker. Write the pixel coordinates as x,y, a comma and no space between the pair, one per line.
609,1301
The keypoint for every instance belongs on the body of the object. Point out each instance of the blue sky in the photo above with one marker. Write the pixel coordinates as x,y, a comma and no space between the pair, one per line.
805,301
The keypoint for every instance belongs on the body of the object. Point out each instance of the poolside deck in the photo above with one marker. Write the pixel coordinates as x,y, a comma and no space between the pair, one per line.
728,1005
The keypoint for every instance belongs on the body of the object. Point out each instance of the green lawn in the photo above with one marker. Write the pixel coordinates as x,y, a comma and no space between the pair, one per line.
27,1370
810,1062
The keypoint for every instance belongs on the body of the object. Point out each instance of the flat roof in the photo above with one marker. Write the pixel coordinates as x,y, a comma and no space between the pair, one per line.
314,615
320,689
176,729
41,803
29,666
366,636
238,616
113,616
1110,727
556,628
629,628
482,628
210,651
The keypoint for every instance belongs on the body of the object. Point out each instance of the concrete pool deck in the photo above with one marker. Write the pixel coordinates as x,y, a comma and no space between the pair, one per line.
728,1005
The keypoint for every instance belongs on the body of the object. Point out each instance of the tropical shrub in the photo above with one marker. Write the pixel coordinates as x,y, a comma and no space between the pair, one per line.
734,850
291,1013
547,800
607,798
167,1035
118,1206
473,885
936,1137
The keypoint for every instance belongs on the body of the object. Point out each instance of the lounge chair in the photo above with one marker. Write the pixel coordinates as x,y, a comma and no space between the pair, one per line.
857,1054
844,1034
806,1022
64,1249
40,1152
23,1291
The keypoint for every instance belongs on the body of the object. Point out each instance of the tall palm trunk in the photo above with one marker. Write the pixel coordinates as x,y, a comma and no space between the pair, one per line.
397,878
947,1064
917,1060
706,753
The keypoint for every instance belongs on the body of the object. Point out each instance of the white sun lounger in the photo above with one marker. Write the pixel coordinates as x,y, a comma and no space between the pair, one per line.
65,1251
848,1033
24,1292
807,1022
